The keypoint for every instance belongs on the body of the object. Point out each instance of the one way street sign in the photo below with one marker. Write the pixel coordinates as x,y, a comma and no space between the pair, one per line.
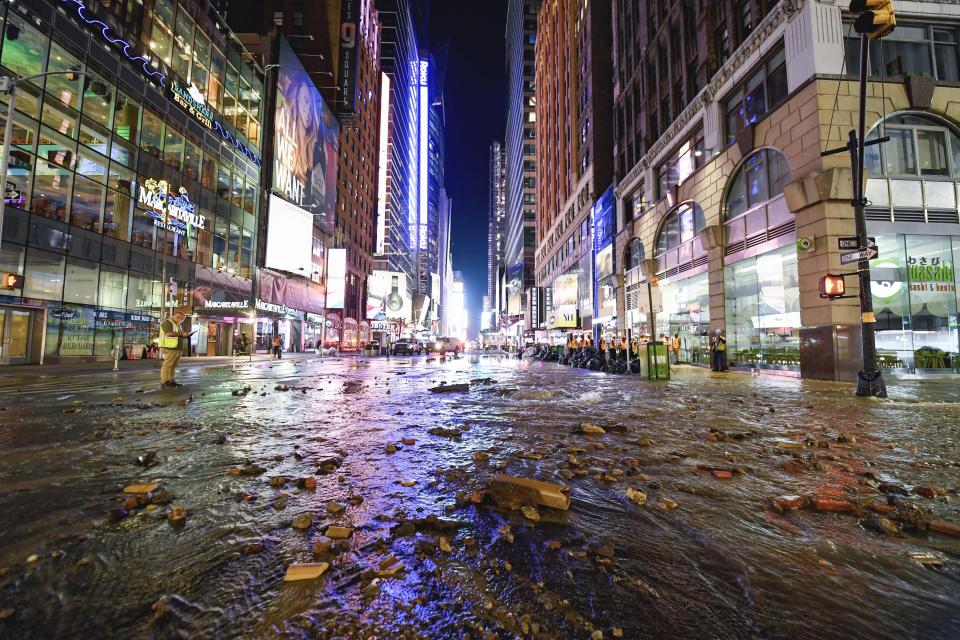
857,256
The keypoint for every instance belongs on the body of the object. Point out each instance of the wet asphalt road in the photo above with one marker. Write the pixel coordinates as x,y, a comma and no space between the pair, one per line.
706,555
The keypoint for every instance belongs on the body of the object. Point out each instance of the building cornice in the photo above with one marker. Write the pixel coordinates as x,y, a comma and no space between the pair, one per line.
783,11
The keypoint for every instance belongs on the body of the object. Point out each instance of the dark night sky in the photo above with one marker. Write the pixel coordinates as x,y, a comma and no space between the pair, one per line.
475,100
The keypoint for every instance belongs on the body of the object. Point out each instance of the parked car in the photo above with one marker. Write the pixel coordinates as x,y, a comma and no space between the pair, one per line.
446,345
407,348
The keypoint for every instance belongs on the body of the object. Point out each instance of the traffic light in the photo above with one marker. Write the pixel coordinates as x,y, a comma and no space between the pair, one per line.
832,286
12,281
875,18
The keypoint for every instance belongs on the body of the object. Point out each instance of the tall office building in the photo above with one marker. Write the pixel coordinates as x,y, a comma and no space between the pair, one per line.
521,169
400,62
346,72
574,150
496,229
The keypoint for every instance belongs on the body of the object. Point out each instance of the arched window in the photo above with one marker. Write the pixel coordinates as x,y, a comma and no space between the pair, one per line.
920,146
634,254
681,226
759,178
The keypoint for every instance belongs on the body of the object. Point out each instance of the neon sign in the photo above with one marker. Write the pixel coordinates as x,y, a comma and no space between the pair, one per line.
192,101
156,76
119,42
168,210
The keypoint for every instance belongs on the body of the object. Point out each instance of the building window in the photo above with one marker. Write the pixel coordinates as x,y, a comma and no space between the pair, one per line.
278,18
761,93
681,164
918,146
761,177
745,17
634,253
298,18
920,49
680,227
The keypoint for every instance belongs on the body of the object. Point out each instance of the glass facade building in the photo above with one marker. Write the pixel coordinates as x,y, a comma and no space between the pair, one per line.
133,172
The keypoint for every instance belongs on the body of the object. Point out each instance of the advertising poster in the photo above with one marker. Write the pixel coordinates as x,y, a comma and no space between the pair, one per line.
305,142
387,296
70,330
564,311
336,278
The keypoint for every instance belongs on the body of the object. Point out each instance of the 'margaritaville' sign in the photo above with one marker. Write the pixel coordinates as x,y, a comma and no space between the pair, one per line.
170,211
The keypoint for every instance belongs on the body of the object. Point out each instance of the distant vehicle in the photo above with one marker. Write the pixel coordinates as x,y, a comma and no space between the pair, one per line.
473,345
446,345
407,348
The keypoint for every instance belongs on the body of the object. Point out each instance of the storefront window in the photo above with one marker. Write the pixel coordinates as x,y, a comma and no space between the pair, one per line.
685,310
191,159
763,309
43,275
81,282
914,287
113,288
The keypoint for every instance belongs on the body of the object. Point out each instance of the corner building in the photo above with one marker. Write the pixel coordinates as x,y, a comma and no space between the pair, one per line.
135,179
726,207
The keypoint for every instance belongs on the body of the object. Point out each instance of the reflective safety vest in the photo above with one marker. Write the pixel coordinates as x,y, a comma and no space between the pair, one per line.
169,342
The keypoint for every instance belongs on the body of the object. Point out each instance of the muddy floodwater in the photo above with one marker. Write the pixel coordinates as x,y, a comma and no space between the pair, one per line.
762,507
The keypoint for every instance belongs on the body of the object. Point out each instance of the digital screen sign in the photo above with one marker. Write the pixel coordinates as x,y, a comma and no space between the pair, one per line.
289,238
306,141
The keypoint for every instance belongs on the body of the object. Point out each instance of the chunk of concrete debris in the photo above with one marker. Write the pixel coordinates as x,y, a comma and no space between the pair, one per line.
305,571
141,488
594,429
512,492
450,388
636,496
530,513
339,533
389,567
334,507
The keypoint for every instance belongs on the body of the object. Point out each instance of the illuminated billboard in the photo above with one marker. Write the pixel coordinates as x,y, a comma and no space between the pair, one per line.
563,314
387,296
305,142
336,278
289,238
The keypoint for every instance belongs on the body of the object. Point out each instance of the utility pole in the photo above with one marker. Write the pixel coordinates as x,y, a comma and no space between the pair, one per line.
875,19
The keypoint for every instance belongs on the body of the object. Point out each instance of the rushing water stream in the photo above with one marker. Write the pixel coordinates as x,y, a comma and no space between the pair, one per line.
722,564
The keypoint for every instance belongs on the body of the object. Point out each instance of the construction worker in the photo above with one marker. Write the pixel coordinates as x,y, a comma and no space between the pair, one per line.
171,336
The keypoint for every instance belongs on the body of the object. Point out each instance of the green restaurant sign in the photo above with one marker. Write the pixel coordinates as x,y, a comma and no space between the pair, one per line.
930,274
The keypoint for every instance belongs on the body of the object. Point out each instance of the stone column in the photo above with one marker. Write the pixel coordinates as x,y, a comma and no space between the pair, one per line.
830,333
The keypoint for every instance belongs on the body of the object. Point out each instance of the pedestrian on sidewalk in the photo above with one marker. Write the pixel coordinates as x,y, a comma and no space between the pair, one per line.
171,344
277,346
675,347
718,352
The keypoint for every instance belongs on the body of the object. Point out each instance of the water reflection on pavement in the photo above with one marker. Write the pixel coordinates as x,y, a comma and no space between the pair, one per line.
707,555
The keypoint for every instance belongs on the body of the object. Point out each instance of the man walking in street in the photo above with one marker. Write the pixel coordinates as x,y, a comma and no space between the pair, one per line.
171,336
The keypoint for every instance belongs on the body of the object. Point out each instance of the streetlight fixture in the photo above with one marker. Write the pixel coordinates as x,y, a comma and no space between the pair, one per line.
8,86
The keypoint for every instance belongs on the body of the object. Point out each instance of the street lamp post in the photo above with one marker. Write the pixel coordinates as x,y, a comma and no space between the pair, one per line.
8,86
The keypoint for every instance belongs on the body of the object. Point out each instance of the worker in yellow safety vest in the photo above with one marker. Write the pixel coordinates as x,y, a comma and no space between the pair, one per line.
170,344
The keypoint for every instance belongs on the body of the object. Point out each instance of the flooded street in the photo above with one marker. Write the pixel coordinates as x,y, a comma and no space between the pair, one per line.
264,459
